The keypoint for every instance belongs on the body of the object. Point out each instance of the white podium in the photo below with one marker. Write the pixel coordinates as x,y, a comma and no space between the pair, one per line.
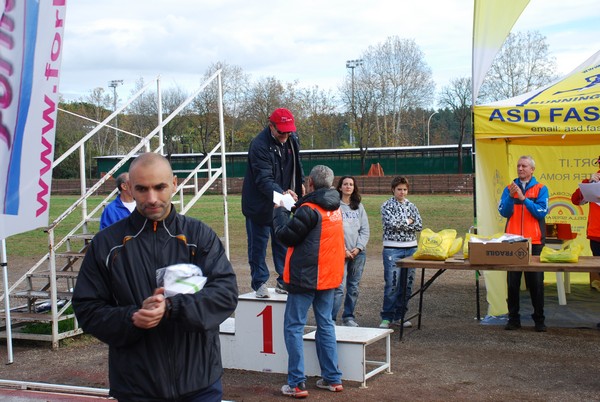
253,340
256,340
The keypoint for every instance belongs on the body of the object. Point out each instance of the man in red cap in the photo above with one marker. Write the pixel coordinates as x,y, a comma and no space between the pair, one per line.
273,165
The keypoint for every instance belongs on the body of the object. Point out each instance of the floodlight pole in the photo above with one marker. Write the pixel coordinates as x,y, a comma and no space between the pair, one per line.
352,64
114,84
429,121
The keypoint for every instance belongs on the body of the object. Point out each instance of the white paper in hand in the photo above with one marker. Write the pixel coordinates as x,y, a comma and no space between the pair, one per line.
590,191
180,278
288,200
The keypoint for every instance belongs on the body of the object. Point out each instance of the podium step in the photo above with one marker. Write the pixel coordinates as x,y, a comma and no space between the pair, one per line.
71,254
41,294
253,340
59,274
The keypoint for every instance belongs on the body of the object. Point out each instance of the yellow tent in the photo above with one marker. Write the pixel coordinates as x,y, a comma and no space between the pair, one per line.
559,126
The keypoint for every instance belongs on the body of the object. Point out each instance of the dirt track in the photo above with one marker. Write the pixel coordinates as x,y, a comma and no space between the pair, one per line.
451,357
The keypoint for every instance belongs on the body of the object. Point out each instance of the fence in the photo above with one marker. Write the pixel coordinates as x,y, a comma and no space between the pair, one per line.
419,184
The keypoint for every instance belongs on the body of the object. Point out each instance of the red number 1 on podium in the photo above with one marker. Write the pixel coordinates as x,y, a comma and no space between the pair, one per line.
267,318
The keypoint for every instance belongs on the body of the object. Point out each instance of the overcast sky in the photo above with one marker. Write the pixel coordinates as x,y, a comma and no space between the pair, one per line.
305,40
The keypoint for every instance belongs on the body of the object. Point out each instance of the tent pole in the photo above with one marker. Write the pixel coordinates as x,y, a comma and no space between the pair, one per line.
4,264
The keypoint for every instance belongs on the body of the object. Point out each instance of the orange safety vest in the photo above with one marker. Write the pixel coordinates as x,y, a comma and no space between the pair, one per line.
522,222
593,222
317,263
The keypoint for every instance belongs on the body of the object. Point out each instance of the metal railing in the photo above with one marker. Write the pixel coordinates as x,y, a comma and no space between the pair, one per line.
82,225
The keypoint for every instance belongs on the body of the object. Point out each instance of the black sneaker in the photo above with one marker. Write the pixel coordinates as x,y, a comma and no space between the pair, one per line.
512,325
279,288
540,327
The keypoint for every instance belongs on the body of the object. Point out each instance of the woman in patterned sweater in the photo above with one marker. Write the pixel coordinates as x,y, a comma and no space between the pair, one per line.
401,222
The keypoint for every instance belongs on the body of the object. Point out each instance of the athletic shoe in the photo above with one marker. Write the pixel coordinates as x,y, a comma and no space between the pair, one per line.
263,292
331,387
299,391
540,327
407,324
280,289
385,324
512,325
350,323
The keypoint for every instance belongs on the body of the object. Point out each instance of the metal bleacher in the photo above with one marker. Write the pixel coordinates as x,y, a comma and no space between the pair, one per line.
43,294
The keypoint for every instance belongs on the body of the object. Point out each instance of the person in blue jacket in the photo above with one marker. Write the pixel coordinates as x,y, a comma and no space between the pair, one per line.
524,204
121,206
273,165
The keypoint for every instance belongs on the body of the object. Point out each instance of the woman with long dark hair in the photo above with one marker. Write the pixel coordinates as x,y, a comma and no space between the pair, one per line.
356,236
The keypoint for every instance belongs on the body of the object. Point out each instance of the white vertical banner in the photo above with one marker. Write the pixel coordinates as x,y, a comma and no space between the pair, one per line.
31,39
492,22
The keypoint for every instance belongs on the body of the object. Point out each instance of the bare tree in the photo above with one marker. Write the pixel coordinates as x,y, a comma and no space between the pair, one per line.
363,112
101,104
205,118
315,115
457,97
392,79
522,65
236,86
404,80
175,131
70,129
264,96
141,116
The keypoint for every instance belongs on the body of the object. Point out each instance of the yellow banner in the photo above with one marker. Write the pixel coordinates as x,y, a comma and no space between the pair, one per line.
560,168
492,22
570,106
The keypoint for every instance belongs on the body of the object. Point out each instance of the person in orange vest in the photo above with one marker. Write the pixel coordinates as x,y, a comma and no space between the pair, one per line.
524,203
593,223
314,267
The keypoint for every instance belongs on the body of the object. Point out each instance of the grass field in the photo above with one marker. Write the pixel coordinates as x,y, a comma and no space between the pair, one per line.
437,211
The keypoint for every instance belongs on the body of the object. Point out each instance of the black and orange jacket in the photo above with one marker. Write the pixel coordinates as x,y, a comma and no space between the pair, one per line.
593,223
527,217
181,355
314,235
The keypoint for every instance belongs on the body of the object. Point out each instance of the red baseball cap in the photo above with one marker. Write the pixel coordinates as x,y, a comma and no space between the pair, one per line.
283,120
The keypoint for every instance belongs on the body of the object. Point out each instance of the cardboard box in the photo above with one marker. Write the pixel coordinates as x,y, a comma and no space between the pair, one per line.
494,253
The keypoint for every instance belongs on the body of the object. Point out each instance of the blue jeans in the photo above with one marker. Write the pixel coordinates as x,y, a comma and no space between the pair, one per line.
296,310
258,238
352,274
394,301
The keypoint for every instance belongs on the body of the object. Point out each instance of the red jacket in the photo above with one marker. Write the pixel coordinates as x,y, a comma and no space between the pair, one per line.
593,223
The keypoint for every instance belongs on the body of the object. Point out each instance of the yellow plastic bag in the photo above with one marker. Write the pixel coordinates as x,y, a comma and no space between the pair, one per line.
455,247
434,245
466,245
568,252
